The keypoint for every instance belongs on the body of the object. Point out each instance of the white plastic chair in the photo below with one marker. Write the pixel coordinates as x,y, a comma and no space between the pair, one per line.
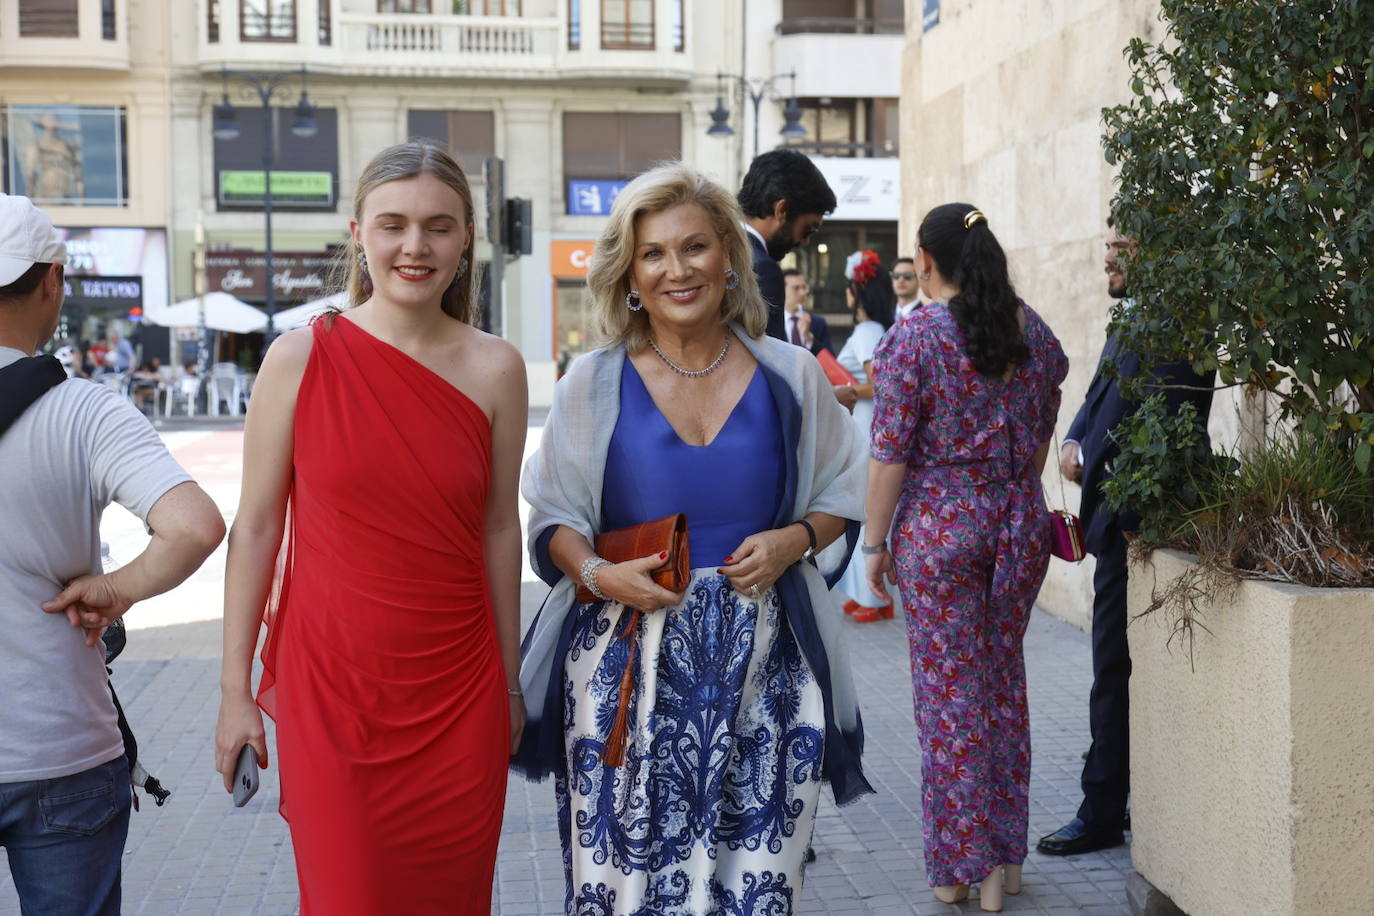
225,384
185,389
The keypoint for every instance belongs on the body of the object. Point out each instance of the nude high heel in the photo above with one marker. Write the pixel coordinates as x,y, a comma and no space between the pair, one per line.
990,892
1011,878
950,893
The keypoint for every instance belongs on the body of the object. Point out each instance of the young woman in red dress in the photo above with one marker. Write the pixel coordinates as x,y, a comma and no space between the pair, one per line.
385,443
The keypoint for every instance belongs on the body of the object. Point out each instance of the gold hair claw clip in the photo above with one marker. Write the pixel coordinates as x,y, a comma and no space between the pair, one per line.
973,218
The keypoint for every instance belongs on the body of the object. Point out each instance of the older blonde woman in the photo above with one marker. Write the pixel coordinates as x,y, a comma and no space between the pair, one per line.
742,702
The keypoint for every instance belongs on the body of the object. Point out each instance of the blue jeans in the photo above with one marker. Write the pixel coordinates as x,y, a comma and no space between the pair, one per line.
65,837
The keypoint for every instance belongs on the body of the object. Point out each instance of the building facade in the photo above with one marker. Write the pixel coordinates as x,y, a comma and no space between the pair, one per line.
84,129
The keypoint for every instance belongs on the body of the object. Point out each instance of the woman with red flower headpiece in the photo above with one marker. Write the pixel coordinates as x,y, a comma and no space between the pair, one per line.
870,297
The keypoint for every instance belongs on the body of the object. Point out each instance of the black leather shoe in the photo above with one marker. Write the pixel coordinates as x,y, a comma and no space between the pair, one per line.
1076,838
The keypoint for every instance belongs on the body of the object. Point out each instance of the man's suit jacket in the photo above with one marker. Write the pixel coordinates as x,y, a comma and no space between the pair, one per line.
820,333
1104,408
769,275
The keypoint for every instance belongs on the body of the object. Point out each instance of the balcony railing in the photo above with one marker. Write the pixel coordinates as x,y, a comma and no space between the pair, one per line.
862,150
448,40
834,25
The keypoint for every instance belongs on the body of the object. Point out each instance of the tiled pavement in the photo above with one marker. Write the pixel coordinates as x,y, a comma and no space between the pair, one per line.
199,855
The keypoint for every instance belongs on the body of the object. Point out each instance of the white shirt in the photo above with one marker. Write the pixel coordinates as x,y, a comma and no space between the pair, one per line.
791,318
756,234
906,311
77,449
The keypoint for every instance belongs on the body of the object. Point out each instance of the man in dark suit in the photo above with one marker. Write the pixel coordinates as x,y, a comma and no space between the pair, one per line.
785,199
1086,458
802,327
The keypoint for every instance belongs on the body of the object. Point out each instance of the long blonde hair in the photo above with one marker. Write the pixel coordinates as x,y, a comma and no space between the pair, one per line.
608,280
407,160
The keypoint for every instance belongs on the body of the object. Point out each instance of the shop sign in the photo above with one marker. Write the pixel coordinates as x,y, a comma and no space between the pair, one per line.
123,293
116,267
289,188
865,189
593,198
570,260
297,276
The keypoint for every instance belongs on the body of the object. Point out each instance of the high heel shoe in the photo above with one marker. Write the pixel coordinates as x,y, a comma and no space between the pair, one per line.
851,606
1011,878
990,892
950,893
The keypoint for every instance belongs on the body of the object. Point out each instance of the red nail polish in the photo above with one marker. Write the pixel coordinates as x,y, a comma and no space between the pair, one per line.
729,559
663,555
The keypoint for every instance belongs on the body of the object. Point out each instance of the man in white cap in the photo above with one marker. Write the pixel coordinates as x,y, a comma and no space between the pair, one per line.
68,449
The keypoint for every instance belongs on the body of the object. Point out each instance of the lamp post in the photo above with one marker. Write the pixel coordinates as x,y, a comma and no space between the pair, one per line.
756,88
226,127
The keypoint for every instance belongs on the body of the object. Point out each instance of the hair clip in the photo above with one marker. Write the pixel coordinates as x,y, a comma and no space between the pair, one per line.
861,266
973,218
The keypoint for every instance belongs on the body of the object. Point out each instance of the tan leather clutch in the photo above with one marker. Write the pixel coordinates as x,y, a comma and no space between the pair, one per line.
664,535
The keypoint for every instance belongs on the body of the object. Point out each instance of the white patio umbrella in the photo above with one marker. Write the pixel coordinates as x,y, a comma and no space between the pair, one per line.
223,312
299,316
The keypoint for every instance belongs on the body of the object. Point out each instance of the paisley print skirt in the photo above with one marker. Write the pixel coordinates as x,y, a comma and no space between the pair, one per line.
713,809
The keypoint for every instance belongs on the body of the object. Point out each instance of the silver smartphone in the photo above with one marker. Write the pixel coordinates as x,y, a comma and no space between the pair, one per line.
245,776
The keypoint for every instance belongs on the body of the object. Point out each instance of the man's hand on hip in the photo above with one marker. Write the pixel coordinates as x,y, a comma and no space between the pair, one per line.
90,602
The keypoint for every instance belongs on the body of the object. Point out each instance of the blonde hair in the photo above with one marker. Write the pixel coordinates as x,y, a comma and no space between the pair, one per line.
407,160
669,185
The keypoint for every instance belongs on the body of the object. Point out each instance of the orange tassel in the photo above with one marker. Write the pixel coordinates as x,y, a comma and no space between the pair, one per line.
613,753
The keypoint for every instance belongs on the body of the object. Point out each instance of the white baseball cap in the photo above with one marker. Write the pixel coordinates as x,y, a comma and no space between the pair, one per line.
27,237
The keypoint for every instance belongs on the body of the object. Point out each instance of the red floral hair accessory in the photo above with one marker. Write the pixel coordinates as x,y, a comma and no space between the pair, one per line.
862,266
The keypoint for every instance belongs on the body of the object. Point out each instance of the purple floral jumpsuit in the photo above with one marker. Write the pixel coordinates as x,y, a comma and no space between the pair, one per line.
971,545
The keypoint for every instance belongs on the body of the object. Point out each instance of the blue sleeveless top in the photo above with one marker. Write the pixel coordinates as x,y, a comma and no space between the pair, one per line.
729,489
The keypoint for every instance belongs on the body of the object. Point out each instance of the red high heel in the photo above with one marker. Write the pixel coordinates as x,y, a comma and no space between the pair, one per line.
873,614
851,606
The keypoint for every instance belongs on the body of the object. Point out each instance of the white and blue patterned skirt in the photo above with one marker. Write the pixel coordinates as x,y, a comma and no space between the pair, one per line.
713,809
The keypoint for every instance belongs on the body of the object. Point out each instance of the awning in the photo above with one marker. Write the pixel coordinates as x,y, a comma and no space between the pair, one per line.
223,312
299,316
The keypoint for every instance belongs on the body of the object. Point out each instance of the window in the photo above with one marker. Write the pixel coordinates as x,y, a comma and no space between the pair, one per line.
574,24
469,135
627,24
492,7
679,28
305,173
602,151
49,18
403,6
107,19
326,35
267,20
212,21
835,127
887,127
67,155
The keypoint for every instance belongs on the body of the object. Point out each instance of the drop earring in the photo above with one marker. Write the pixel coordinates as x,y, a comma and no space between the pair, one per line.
363,275
731,278
632,301
462,271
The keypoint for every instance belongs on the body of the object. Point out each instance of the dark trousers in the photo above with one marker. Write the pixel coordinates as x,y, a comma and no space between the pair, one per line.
1107,772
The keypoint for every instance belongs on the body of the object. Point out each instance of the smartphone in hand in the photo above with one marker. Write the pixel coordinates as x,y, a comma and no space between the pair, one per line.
245,776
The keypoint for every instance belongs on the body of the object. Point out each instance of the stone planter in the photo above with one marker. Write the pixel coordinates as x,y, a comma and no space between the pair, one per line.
1252,774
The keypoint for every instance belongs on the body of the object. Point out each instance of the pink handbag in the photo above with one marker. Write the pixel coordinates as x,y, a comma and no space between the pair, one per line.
1066,531
1066,535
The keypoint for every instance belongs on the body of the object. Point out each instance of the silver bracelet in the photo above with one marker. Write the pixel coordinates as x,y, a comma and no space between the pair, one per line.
514,693
590,567
870,549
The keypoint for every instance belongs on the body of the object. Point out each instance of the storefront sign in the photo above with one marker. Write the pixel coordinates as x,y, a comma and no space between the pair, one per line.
593,198
865,189
297,189
116,268
298,276
570,260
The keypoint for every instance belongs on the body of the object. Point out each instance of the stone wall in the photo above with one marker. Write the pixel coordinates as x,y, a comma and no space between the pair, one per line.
1002,108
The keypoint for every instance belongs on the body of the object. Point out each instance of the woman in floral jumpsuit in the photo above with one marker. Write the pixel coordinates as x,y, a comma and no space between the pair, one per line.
965,401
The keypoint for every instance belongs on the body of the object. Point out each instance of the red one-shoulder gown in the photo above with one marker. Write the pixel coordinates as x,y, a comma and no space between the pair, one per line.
381,665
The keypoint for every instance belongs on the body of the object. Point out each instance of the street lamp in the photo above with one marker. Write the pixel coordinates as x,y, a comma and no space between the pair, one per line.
757,88
226,127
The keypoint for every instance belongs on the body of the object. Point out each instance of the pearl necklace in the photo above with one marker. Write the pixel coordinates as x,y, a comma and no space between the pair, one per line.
694,373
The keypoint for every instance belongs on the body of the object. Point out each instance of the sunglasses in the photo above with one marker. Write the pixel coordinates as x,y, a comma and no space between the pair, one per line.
902,275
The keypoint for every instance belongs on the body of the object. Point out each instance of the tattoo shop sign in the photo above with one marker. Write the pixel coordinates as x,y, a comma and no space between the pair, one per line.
298,276
865,189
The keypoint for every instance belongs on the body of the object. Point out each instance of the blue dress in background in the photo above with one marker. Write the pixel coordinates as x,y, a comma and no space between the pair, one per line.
714,806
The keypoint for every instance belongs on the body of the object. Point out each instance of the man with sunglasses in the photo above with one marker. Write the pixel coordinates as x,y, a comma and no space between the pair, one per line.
785,199
906,288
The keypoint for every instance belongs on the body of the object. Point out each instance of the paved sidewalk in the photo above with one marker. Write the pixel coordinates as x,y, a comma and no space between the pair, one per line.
199,855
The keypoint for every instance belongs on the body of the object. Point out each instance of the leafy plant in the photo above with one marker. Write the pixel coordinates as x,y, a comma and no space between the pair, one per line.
1247,178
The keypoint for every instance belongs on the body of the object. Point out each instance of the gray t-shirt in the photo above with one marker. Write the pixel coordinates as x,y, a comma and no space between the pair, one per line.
76,450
